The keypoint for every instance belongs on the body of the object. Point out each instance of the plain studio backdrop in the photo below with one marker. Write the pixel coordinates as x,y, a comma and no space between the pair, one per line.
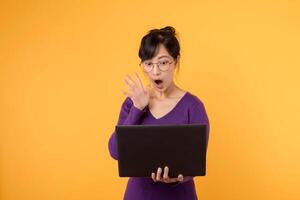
62,65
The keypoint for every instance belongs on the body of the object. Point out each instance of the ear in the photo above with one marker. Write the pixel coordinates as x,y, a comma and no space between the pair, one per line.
177,60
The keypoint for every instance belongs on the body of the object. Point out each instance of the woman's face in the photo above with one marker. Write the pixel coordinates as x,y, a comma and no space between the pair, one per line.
161,79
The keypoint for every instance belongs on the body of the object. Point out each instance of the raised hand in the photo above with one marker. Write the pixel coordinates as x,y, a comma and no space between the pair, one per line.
138,95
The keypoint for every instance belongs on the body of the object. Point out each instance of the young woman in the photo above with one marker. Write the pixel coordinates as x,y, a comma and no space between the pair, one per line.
165,103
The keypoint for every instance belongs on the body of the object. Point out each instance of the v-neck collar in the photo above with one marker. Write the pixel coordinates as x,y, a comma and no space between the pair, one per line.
168,113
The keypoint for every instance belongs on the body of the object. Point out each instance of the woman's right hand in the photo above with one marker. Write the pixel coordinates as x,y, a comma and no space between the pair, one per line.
138,95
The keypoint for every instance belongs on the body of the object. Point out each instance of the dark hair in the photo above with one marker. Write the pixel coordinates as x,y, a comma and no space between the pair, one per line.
150,43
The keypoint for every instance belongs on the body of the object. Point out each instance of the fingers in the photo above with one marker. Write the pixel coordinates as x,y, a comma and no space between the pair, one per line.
166,174
132,86
165,178
158,174
180,177
153,176
129,82
139,80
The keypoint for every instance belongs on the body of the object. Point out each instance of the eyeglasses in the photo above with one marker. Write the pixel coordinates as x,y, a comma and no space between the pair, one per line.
163,65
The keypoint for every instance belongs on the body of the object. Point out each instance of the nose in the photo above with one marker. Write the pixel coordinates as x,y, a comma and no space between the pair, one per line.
155,69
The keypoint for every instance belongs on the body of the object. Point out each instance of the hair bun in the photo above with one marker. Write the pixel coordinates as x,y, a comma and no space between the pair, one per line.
169,29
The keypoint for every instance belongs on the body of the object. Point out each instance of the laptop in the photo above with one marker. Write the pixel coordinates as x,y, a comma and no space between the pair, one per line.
144,148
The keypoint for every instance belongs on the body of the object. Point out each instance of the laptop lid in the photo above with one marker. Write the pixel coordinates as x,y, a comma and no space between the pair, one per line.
144,148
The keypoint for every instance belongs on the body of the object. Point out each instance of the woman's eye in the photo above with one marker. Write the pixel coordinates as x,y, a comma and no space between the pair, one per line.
163,62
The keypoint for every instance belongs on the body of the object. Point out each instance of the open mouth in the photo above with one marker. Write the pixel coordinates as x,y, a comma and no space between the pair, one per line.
158,82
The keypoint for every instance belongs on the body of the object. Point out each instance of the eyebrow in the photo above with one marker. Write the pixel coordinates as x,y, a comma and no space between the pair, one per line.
163,56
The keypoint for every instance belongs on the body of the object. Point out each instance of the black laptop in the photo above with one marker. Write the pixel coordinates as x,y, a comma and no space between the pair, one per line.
144,148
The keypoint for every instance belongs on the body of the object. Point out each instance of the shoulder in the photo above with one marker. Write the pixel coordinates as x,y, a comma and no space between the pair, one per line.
196,109
193,100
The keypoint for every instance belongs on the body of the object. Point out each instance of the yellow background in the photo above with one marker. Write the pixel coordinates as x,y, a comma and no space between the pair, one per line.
62,65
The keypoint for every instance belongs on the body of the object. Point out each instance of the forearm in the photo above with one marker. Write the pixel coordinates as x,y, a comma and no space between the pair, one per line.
133,118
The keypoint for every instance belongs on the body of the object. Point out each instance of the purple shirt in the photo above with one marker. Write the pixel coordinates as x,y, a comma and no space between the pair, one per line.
188,110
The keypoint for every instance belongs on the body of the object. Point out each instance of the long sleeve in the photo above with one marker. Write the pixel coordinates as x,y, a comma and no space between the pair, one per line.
129,115
197,114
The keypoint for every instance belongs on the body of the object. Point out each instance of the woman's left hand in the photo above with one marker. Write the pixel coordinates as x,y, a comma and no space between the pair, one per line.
165,178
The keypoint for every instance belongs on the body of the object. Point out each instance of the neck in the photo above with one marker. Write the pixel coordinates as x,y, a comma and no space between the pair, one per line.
166,93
